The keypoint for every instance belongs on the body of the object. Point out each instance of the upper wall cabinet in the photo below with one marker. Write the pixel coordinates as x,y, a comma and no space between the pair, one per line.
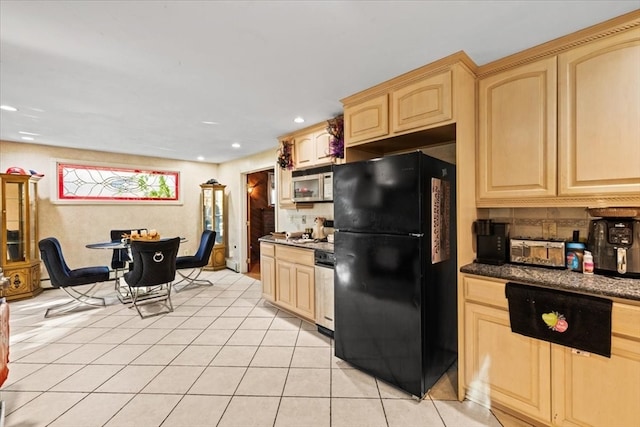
422,103
367,120
418,100
311,146
599,133
563,130
517,132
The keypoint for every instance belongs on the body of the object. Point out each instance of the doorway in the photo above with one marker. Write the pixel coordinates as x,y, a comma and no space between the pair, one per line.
260,215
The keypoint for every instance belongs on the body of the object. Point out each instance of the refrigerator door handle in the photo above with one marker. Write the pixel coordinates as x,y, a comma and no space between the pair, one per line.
416,234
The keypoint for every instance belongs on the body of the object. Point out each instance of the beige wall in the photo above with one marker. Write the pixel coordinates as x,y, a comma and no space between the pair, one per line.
75,225
234,175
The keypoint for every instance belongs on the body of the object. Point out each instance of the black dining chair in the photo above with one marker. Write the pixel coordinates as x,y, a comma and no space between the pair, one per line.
120,257
196,263
154,268
67,279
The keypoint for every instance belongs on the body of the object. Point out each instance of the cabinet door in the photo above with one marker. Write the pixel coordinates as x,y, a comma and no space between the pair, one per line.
285,189
322,139
592,390
422,103
305,291
504,367
286,278
366,120
305,151
268,277
517,133
599,130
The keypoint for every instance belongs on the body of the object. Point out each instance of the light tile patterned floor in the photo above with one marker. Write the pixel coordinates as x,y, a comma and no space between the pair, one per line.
223,358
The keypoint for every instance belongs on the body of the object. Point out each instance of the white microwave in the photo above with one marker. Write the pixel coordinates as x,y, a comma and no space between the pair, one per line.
313,185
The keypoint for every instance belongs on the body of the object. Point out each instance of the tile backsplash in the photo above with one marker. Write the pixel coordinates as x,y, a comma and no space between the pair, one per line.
541,222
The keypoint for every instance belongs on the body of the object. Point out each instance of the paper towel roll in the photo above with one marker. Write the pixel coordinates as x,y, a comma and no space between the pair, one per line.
294,234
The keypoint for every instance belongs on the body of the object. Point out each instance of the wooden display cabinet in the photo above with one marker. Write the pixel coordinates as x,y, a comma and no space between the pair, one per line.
19,258
214,217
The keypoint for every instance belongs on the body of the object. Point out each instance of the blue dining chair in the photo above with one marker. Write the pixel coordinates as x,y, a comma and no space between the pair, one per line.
195,263
67,279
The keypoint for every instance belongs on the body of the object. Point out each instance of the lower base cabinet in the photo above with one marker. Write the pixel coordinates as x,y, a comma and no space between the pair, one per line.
543,382
505,367
268,271
288,278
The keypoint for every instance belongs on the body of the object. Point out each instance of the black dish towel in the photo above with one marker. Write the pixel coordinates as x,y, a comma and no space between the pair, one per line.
573,320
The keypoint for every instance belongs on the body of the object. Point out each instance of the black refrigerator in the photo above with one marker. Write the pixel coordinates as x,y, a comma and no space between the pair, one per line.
395,273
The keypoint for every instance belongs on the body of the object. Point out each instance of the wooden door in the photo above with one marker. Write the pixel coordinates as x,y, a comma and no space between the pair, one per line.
599,125
421,104
305,291
305,151
504,367
366,120
268,277
517,133
322,139
286,279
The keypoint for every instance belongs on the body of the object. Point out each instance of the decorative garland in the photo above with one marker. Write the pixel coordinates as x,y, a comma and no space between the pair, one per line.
285,157
335,127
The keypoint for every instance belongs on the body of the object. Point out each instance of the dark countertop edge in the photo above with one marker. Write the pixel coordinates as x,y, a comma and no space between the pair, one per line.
323,246
596,284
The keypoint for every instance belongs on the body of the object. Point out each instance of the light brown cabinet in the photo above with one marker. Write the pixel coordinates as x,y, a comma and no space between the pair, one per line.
517,132
500,366
423,103
19,253
294,281
547,383
564,130
418,103
268,271
599,106
366,120
285,189
311,146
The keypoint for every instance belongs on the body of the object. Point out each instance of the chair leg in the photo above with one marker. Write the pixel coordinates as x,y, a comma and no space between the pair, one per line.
192,279
151,295
78,299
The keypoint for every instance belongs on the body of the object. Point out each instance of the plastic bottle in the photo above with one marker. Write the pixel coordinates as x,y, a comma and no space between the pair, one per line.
575,254
587,263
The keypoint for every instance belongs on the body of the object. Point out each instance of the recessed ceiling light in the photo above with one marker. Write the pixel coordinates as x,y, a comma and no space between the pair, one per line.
28,138
209,123
8,108
201,158
236,145
298,120
28,133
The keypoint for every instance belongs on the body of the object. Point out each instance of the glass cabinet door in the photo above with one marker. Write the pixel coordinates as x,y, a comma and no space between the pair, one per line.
213,218
207,208
219,214
34,253
15,220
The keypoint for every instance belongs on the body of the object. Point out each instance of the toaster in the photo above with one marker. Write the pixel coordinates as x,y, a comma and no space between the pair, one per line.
538,252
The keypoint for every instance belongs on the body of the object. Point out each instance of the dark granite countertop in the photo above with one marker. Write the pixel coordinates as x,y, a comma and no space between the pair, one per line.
595,284
323,246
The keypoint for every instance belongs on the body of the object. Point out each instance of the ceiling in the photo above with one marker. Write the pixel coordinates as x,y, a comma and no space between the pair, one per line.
141,77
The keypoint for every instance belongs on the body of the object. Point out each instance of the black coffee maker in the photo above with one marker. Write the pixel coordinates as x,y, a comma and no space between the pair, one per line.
491,241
